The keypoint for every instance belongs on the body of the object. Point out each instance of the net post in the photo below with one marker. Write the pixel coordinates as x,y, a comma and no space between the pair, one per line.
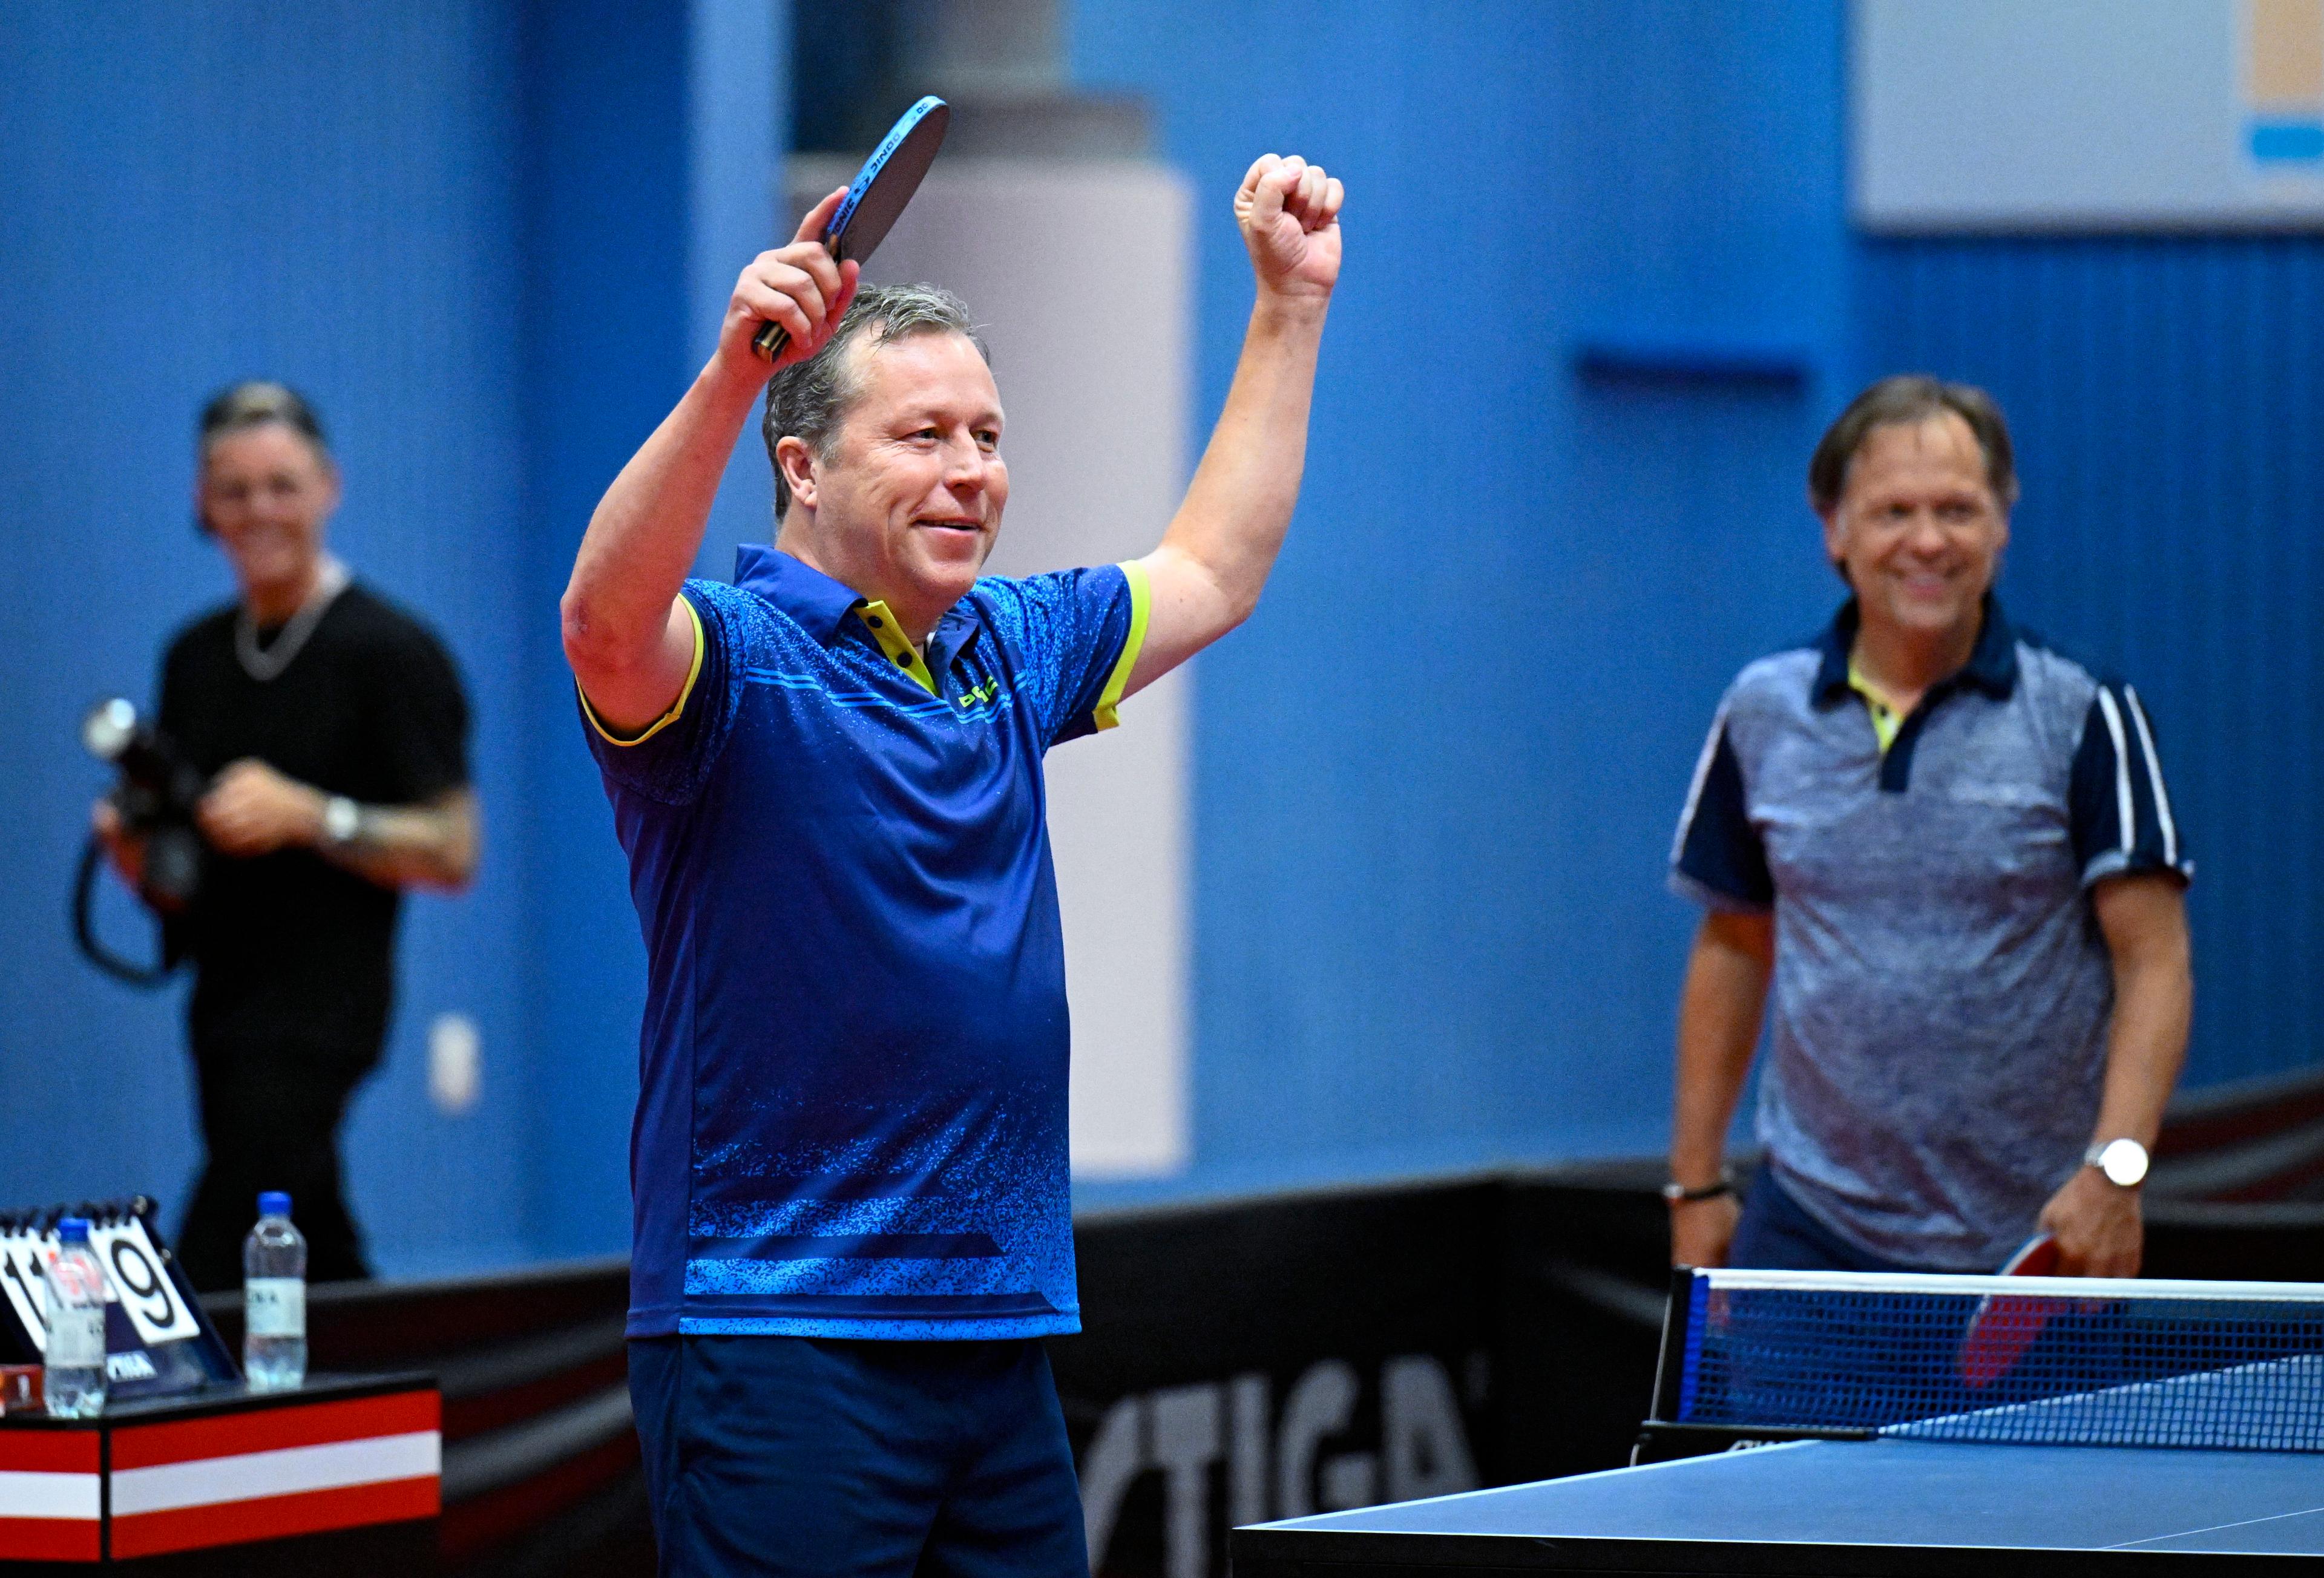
1669,1363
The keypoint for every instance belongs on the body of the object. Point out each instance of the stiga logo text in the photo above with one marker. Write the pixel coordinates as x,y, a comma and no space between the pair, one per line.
1279,1463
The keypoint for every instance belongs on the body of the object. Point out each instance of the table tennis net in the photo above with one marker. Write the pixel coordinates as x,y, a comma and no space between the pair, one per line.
2029,1360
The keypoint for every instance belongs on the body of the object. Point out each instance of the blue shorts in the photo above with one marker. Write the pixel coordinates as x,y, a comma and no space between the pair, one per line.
780,1455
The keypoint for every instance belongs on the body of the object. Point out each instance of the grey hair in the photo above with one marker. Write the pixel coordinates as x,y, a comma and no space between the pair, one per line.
256,403
809,399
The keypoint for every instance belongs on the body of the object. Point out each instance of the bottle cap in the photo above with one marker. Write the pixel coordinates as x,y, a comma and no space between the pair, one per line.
73,1230
274,1203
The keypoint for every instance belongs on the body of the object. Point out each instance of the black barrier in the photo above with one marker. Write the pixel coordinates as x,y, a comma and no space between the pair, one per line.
1266,1359
1258,1358
1240,1359
540,1465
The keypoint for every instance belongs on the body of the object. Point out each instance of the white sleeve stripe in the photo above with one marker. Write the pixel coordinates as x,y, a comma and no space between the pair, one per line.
2154,777
2124,814
1702,776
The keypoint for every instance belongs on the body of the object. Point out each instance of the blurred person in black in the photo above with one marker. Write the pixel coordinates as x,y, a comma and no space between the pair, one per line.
334,727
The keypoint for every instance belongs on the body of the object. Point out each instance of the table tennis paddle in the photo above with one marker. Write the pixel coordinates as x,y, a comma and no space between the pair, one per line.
876,197
2004,1327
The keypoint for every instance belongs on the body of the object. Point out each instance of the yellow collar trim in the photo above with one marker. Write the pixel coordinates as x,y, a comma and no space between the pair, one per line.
880,621
1886,719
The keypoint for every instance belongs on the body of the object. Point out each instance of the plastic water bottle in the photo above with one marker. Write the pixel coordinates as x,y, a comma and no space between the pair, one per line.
274,1298
73,1366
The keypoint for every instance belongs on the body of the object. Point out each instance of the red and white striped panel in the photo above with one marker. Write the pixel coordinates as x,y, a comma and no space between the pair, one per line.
274,1472
49,1496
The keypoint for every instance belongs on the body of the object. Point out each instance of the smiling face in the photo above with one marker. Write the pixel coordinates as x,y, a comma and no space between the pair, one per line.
906,504
267,493
1918,529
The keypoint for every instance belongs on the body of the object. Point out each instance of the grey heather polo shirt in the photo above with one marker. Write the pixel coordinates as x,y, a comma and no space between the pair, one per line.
1942,995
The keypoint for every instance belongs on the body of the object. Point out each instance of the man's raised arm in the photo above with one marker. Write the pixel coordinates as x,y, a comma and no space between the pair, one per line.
1215,556
629,641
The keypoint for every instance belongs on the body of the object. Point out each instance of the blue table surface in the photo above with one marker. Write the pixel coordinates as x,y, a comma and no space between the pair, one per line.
1899,1492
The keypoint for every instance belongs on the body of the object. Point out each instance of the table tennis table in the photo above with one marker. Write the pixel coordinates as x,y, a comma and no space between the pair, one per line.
1884,1506
2052,1483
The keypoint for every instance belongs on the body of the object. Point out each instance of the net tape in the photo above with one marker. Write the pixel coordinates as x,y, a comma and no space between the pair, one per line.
2048,1360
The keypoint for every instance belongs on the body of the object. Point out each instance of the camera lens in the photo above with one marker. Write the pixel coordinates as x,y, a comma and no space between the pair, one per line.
108,728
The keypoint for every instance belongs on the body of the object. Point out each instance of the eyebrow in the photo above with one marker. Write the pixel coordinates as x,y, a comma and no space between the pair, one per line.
923,416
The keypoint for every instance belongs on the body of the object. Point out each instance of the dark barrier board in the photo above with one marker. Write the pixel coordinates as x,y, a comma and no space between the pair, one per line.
1269,1358
393,1550
1240,1359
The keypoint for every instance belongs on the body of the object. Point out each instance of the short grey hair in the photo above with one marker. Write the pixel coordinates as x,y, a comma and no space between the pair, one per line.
809,399
255,403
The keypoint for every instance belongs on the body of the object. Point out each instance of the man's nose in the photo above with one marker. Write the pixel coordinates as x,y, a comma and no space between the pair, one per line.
963,465
1926,537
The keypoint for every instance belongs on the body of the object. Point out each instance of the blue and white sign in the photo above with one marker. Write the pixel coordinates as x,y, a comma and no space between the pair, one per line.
2054,115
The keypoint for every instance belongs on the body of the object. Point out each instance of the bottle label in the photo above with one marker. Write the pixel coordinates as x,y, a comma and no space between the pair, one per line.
76,1337
79,1276
274,1306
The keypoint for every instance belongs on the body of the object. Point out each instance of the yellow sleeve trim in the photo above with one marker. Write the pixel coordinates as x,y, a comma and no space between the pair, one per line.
675,707
1141,604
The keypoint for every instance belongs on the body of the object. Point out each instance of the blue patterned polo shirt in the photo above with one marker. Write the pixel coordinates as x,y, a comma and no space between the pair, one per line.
851,1114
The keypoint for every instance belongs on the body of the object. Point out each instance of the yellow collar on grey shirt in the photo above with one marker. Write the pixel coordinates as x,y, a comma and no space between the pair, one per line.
1886,719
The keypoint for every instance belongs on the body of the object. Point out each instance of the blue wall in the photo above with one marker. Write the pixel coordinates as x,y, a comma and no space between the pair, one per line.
650,147
1435,776
320,193
475,235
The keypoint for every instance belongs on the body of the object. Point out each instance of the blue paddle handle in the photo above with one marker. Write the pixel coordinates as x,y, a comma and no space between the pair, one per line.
771,337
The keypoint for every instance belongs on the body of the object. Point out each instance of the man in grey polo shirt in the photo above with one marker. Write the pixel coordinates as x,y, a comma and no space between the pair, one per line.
1941,860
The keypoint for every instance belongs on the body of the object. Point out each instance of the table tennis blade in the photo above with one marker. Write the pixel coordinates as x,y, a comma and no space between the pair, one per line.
2036,1257
2004,1327
876,197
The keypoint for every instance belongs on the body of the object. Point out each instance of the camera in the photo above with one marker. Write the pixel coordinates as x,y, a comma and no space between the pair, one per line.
157,797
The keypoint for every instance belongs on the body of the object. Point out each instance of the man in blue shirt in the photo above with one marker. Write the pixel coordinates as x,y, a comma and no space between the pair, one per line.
849,1163
1941,860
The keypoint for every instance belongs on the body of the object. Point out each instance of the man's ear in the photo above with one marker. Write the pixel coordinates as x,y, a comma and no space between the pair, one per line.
1835,541
797,462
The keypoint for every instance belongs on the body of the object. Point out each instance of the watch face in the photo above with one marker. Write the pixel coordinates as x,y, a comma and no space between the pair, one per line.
340,820
2123,1161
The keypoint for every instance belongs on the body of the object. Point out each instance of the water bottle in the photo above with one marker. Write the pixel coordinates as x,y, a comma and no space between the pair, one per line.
73,1365
274,1298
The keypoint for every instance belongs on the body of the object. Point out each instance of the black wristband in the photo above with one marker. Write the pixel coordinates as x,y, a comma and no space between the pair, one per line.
1678,1194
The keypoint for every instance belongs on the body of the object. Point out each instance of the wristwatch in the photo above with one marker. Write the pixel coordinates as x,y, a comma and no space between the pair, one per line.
342,820
1678,1194
2123,1161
